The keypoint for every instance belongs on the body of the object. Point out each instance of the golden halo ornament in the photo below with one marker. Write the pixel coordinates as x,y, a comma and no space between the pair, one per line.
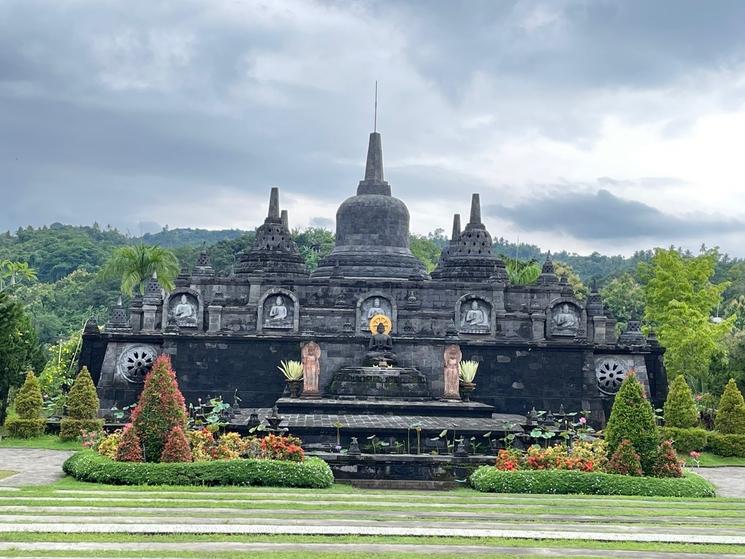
380,319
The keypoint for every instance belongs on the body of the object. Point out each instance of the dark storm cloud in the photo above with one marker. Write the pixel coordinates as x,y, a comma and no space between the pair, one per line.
601,215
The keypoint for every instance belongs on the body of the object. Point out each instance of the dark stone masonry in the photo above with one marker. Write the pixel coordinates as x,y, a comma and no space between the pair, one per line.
538,346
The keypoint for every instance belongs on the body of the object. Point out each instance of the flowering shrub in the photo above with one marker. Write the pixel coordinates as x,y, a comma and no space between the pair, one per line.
202,442
91,438
667,464
130,446
177,447
282,448
508,460
109,445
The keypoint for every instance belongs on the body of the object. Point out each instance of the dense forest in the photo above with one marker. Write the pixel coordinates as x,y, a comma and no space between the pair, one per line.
56,274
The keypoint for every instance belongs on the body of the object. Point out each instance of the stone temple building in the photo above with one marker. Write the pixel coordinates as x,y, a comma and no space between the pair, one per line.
538,346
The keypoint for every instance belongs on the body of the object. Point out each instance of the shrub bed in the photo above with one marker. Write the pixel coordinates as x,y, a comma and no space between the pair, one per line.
89,466
489,479
726,445
685,440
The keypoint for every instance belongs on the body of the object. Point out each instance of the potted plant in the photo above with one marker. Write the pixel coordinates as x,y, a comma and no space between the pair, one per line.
468,371
293,372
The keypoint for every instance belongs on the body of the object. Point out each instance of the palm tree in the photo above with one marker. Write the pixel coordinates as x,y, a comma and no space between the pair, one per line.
135,264
14,271
520,272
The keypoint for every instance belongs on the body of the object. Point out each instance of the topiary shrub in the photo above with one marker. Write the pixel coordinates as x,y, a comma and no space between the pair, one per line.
86,465
562,482
625,460
726,445
667,464
160,408
28,421
632,418
130,446
680,408
82,408
685,440
730,418
177,447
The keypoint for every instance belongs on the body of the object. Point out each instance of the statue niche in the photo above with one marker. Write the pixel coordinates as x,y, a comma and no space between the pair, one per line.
565,319
371,307
474,316
278,312
183,310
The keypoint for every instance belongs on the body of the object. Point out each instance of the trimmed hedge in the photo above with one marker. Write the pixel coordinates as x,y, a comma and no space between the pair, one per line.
726,445
25,428
489,479
87,465
685,440
70,429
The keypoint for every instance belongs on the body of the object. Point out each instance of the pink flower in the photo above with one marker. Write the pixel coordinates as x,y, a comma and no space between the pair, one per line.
582,420
695,455
699,397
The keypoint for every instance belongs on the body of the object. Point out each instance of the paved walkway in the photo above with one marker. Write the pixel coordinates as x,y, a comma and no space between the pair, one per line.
34,466
729,481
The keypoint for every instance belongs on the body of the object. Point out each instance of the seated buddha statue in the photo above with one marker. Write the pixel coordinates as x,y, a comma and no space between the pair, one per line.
380,349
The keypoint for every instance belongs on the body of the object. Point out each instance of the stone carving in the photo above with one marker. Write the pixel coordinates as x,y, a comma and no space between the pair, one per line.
184,313
135,362
310,356
374,306
451,372
564,320
278,312
380,348
610,374
475,315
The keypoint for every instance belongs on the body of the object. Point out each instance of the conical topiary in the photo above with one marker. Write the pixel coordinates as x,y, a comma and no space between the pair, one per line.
632,418
730,418
28,405
625,460
130,446
680,408
82,408
159,409
177,447
667,464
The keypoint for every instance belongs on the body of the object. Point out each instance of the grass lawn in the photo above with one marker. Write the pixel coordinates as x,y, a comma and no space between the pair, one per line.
709,460
50,442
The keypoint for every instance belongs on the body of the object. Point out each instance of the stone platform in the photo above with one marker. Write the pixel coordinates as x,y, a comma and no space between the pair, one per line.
344,406
369,383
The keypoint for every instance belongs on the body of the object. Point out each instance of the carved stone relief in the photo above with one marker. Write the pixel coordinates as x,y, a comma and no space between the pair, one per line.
279,312
474,316
183,310
565,319
134,363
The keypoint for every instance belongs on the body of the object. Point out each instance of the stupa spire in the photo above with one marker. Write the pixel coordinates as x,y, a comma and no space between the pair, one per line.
374,166
475,210
274,204
285,220
456,228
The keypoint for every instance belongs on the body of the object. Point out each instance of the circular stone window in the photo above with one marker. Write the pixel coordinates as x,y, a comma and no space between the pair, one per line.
610,374
135,362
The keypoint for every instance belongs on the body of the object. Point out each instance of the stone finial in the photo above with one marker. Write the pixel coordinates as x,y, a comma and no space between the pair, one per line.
285,220
456,228
274,203
374,166
475,210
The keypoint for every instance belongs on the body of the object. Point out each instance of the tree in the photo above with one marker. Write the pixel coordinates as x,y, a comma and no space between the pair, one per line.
625,460
28,403
680,408
624,296
313,244
160,408
632,418
521,272
177,447
565,270
730,418
12,272
19,348
426,250
82,408
679,300
136,264
130,446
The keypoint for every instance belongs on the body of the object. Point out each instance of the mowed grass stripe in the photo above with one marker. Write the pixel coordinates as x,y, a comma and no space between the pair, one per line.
264,504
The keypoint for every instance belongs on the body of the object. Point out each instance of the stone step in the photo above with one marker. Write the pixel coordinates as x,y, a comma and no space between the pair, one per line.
397,407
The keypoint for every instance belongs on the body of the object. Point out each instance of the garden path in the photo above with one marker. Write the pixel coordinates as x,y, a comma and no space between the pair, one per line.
35,466
729,481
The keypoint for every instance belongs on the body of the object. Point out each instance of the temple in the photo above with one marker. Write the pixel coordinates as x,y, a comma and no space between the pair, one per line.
376,332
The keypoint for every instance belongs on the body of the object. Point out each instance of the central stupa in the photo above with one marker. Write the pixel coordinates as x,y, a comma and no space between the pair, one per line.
372,230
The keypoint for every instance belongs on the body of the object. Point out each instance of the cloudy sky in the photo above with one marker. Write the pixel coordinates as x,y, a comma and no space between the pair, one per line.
585,125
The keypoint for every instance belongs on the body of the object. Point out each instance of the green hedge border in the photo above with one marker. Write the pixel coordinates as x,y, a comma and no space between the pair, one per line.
90,466
489,479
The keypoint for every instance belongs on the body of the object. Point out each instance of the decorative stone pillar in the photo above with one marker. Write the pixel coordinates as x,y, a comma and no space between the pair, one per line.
311,359
538,320
451,372
135,314
148,317
599,330
214,317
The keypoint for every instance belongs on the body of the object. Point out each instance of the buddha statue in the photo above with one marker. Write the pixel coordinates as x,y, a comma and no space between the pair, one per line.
185,313
380,349
475,317
565,320
278,311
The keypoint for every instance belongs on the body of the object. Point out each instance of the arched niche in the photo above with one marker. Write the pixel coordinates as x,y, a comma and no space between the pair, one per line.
278,311
185,309
474,315
375,302
566,318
